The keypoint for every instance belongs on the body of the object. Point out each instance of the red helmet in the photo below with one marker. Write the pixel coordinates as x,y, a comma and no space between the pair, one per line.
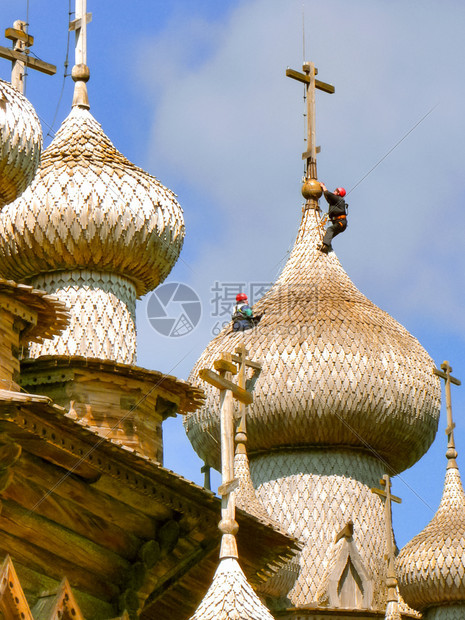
341,191
241,297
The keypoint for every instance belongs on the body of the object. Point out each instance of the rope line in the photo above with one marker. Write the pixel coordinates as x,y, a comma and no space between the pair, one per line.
394,147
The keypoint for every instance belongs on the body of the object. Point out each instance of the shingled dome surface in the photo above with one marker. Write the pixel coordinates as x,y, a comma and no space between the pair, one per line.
337,370
20,143
431,567
90,208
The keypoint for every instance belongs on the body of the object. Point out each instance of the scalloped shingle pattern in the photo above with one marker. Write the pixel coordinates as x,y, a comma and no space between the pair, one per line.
431,567
20,143
313,495
337,370
91,208
103,316
231,597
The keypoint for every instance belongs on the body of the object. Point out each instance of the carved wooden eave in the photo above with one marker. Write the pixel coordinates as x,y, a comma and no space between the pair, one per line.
126,532
312,613
47,369
13,603
58,604
51,315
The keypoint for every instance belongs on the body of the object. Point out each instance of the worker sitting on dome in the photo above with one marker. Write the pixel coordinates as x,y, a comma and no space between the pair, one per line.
243,317
337,213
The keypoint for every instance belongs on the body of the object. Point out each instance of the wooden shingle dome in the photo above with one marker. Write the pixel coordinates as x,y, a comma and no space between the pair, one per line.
90,208
337,370
431,567
20,143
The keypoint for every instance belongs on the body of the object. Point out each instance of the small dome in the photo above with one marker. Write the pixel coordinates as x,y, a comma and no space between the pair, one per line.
337,370
90,208
20,143
231,597
431,567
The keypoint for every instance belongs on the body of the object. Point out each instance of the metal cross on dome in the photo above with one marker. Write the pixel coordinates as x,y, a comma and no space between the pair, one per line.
311,83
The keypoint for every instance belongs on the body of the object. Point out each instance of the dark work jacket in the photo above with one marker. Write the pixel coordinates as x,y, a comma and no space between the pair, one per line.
337,205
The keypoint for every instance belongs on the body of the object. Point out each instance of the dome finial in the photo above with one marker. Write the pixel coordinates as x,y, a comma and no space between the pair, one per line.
445,373
311,189
80,72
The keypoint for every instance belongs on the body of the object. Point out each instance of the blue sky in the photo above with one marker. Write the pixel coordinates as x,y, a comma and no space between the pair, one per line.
195,93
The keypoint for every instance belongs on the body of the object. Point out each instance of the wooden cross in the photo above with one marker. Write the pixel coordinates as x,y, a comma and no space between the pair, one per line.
79,25
444,373
229,391
19,55
243,363
311,83
391,580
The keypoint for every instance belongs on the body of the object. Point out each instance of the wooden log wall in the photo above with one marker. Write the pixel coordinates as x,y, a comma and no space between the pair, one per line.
10,327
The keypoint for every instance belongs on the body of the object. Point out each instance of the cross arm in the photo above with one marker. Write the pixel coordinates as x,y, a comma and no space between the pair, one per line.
77,23
224,384
34,63
305,78
446,376
14,34
394,498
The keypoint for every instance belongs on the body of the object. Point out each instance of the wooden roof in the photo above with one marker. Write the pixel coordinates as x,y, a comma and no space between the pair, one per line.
51,315
122,529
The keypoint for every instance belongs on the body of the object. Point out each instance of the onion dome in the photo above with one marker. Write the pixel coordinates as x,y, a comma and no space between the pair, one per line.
20,143
95,230
90,208
337,370
431,567
231,596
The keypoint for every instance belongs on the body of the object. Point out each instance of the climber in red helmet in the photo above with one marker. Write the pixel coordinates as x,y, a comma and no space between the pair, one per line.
243,317
337,213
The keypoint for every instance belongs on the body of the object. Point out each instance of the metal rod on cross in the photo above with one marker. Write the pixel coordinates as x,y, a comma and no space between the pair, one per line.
19,55
445,373
311,188
385,493
229,391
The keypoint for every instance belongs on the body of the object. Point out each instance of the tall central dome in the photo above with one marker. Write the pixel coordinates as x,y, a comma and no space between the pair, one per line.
345,394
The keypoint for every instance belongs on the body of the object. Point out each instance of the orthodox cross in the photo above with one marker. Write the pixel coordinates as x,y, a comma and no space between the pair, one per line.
19,55
444,373
79,25
391,580
229,391
243,363
311,83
